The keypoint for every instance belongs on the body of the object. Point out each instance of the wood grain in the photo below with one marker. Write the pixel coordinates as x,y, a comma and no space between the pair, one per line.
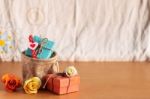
99,80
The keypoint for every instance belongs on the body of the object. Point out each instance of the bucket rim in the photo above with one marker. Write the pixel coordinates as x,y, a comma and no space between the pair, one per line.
36,59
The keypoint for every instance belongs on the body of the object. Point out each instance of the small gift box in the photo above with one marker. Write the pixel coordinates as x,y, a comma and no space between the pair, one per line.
43,48
59,84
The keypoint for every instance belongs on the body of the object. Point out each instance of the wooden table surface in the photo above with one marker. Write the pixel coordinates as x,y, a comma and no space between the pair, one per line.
99,80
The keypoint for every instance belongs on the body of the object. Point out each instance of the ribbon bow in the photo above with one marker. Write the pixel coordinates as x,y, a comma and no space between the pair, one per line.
39,48
41,45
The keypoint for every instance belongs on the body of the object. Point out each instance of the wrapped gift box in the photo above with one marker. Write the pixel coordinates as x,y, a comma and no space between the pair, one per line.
46,49
59,84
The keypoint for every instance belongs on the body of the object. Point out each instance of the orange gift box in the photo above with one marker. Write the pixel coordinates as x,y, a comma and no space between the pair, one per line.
60,84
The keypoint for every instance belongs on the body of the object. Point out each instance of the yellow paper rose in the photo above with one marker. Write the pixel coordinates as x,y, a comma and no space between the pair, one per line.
71,71
32,85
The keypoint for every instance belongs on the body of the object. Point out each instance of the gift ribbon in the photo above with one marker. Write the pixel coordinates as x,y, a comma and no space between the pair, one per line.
38,50
68,86
53,77
41,44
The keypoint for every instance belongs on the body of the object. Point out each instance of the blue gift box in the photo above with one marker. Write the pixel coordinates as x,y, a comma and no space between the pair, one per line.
28,52
46,48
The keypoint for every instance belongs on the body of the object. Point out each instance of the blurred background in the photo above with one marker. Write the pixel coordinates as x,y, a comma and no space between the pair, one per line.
83,30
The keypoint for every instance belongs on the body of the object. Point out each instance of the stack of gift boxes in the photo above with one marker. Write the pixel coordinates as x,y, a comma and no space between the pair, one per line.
60,83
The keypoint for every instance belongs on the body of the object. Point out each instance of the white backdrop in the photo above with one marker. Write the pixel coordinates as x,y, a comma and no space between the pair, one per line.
95,30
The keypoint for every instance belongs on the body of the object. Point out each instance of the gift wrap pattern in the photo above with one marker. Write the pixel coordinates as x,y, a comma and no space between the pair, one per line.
99,30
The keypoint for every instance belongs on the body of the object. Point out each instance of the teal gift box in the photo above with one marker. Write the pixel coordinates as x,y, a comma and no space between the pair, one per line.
45,50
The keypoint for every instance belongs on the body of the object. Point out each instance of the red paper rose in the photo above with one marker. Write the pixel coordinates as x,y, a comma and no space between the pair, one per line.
11,82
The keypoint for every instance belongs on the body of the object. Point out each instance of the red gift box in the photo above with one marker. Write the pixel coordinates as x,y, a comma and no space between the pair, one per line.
59,84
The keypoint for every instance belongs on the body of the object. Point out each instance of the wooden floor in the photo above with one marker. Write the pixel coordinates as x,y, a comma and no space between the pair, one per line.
111,80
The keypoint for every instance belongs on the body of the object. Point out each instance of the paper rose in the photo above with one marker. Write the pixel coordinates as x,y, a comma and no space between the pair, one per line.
11,82
70,71
32,85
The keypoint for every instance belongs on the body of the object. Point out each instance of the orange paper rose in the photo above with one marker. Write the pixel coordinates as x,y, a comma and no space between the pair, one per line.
11,82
